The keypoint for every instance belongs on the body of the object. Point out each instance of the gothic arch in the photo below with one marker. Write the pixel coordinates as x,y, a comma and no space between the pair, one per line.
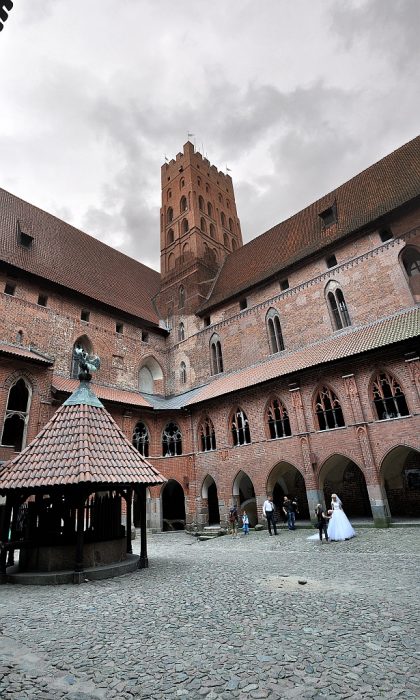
341,474
210,500
150,371
400,477
327,408
16,416
173,506
286,479
244,495
388,396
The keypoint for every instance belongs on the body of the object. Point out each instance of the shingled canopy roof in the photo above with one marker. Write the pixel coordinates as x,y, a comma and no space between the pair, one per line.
81,444
373,193
80,262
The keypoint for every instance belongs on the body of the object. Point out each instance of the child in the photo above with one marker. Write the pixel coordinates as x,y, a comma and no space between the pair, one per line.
245,523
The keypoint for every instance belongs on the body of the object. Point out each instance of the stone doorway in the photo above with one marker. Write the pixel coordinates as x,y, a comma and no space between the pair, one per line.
342,476
244,496
210,501
286,480
173,506
400,472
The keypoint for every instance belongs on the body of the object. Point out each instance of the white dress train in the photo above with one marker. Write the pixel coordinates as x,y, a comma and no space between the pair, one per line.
339,527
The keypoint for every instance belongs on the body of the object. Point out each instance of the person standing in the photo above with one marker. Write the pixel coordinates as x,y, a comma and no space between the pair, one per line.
233,520
322,521
245,522
339,527
269,513
289,513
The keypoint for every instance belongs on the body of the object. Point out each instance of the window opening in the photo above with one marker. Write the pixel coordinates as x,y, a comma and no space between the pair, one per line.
223,219
216,355
181,297
284,284
209,209
207,321
25,239
339,309
385,235
230,225
171,441
141,439
201,203
183,373
206,435
278,420
275,334
119,327
411,261
331,261
243,304
10,288
203,225
388,397
16,416
181,332
42,299
144,337
212,231
329,216
85,315
183,205
185,226
171,236
169,215
240,428
328,410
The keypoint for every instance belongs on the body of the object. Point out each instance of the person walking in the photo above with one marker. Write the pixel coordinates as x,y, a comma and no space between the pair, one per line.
269,513
245,522
289,513
233,520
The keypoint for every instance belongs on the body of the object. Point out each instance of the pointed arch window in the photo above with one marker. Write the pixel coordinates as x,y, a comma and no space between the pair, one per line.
223,218
328,410
183,204
203,225
275,335
338,306
184,226
169,215
216,355
388,397
141,439
206,435
240,428
212,231
209,209
84,343
171,236
17,415
183,373
278,420
201,203
181,331
411,260
171,441
181,297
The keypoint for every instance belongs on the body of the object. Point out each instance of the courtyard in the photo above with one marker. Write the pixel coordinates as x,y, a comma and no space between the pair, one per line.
245,617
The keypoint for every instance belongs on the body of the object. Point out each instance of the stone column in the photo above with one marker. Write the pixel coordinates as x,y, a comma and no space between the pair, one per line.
313,494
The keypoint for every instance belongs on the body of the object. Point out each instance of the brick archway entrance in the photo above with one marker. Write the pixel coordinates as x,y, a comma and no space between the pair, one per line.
244,496
173,506
286,480
210,500
400,472
342,476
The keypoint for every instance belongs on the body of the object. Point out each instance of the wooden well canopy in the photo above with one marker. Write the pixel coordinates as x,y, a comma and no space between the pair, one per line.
66,486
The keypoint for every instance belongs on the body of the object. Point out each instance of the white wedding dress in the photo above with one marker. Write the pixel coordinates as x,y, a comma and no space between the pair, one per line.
339,527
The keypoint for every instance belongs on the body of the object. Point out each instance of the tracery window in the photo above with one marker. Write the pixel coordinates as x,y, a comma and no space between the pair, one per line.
206,435
181,331
169,215
181,297
278,420
338,306
171,441
240,428
201,203
141,439
388,397
17,415
216,355
328,410
183,204
183,373
411,260
275,335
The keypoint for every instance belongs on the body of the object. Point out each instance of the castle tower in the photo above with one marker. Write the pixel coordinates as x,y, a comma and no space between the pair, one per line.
199,226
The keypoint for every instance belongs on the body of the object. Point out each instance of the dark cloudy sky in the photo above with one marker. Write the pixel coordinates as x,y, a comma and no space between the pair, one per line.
294,96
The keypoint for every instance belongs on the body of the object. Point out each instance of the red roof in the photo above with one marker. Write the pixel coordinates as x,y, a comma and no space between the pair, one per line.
66,256
107,393
24,353
80,444
386,185
400,326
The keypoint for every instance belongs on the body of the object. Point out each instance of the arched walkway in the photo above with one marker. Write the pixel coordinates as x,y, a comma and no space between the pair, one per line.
173,506
400,473
286,480
210,500
340,475
244,495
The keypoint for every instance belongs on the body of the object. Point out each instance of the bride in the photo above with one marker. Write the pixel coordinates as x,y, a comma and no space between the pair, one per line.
339,527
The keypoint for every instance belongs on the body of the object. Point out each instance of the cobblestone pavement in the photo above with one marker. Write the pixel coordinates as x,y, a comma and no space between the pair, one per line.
225,619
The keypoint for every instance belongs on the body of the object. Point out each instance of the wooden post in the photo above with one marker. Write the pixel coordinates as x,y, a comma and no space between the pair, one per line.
129,501
11,555
78,566
143,563
4,538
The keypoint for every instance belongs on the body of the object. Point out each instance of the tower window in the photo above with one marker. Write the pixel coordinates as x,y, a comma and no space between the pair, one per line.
169,215
284,284
171,236
183,204
209,209
10,288
231,225
181,297
203,225
331,261
201,203
184,226
223,219
42,299
85,315
212,231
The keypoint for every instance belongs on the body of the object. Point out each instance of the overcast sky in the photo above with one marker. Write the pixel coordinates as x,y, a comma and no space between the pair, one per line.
294,96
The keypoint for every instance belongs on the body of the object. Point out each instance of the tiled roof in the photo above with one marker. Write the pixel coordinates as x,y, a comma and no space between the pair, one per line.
80,444
400,326
24,353
386,185
66,256
107,393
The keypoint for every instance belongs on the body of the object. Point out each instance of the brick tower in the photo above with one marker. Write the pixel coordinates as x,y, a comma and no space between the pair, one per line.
199,227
